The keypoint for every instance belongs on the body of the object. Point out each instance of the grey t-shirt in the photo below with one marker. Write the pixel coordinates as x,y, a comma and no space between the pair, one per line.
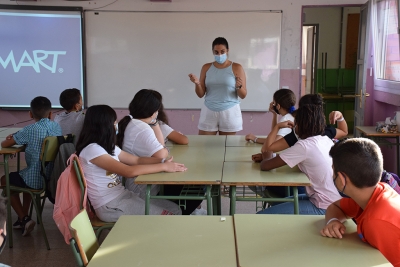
71,123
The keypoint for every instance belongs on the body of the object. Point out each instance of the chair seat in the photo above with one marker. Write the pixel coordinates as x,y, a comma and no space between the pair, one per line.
14,188
96,222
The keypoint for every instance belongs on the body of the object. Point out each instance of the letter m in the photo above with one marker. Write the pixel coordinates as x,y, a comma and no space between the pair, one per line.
10,57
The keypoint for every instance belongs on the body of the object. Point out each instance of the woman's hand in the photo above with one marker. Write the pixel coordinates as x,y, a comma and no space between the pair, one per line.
194,79
239,82
257,157
285,124
334,116
250,137
174,167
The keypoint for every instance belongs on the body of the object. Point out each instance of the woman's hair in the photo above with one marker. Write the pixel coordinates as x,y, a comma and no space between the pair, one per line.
286,99
220,41
310,121
311,99
161,115
98,127
142,106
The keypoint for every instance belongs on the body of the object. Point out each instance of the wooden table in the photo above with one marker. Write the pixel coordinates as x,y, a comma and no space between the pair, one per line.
7,152
241,153
156,240
204,165
371,133
202,140
289,240
239,140
249,174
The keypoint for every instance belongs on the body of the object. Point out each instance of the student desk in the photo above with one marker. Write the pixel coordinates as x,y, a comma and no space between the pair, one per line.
202,140
239,140
241,153
7,152
204,165
294,240
249,174
4,132
158,240
371,133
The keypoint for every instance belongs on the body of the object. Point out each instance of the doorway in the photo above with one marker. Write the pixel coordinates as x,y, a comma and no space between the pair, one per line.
309,58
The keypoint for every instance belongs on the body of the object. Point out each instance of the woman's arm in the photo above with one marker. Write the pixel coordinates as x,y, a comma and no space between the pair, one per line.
240,76
200,84
178,138
107,163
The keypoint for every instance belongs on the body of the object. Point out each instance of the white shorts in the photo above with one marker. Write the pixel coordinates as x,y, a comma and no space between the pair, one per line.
229,120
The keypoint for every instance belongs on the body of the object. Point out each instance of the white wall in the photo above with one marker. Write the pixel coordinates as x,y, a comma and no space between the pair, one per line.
291,21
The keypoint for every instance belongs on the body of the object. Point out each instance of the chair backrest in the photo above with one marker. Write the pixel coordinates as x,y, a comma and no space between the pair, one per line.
84,236
81,178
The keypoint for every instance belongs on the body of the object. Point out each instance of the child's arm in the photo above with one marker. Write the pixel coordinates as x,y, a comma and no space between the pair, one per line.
255,139
107,163
158,133
272,138
178,138
334,218
342,129
130,159
269,163
9,142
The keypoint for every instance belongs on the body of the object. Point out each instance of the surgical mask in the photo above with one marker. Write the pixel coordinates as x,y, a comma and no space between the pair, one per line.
4,242
275,109
220,58
340,192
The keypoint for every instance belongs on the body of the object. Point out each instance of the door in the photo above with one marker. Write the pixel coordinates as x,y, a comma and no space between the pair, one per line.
361,72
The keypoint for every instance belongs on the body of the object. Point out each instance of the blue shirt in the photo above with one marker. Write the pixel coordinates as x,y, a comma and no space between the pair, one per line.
221,93
32,136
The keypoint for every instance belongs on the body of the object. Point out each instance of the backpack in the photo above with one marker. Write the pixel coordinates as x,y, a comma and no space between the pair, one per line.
65,150
391,179
68,199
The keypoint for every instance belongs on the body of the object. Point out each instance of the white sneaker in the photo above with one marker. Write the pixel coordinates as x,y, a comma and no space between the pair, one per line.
199,212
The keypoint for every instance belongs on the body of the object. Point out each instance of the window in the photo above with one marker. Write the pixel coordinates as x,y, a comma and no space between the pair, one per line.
385,31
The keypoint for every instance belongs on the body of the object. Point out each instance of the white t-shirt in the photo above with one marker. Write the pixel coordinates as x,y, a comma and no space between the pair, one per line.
140,139
165,129
102,186
312,157
284,131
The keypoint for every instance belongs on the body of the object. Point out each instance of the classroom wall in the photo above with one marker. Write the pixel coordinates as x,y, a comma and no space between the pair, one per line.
186,120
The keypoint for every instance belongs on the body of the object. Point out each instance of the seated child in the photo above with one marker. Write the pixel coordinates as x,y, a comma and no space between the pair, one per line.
71,120
375,206
104,163
167,131
32,136
311,155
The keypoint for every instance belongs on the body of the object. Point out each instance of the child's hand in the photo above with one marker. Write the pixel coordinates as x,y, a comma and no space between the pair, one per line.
250,137
194,79
334,116
271,108
9,137
174,167
334,229
257,157
285,124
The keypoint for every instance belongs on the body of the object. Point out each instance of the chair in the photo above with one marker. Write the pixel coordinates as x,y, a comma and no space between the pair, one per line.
83,242
97,224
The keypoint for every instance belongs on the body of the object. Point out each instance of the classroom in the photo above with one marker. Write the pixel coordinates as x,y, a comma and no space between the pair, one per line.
307,46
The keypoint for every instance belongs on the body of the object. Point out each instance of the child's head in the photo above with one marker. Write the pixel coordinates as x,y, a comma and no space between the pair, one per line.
98,127
286,99
40,108
360,159
144,105
311,99
71,99
309,121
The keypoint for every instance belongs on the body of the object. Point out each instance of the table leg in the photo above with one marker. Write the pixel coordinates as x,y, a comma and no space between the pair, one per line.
147,204
232,193
209,203
9,219
296,200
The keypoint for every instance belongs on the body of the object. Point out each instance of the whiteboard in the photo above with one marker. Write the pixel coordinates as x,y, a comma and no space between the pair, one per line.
129,51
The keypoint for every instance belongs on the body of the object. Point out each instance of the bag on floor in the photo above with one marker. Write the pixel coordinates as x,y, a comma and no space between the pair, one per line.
391,179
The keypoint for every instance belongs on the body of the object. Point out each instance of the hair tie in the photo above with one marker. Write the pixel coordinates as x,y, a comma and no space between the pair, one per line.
292,109
130,116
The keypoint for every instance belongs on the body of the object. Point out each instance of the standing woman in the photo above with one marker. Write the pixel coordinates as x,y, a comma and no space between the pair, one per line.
222,82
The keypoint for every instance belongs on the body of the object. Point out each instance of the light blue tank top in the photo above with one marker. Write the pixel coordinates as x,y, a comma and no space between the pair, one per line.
221,93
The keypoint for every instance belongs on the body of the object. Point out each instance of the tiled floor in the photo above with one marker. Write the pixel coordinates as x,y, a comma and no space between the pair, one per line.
31,250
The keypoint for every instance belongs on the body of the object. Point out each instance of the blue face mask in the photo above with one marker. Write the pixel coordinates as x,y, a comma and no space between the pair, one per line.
220,58
344,187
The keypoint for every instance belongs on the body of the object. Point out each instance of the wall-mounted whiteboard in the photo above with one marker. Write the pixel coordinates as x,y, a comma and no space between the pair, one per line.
129,51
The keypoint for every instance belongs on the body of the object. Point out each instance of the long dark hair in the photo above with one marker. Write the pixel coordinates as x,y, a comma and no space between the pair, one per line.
142,106
161,115
310,121
98,127
311,99
286,99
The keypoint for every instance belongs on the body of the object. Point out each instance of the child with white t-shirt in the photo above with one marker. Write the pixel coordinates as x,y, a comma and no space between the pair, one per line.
104,163
311,155
140,134
169,133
